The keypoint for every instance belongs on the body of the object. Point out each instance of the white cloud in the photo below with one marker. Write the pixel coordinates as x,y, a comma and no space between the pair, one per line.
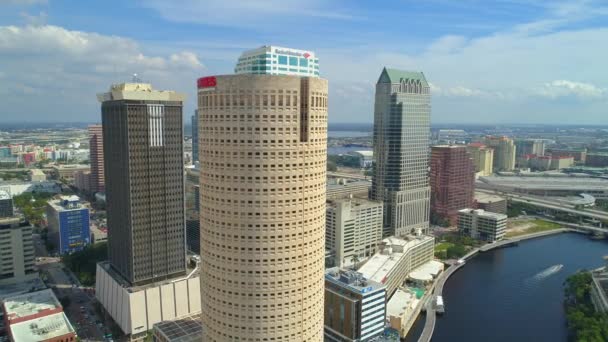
561,88
66,68
246,13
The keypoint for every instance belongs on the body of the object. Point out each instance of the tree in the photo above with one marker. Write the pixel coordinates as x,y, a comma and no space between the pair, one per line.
455,251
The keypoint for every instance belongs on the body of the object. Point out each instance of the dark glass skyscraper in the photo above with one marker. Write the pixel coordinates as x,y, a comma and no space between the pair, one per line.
402,115
143,153
195,137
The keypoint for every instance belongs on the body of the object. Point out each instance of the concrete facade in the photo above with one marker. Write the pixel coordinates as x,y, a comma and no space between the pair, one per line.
263,152
491,203
396,259
482,225
402,115
504,152
483,158
17,248
137,309
353,230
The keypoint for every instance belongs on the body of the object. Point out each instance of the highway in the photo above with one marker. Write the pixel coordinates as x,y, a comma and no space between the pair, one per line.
347,175
549,204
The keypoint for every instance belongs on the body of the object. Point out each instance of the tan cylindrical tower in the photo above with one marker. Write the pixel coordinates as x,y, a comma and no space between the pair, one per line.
263,150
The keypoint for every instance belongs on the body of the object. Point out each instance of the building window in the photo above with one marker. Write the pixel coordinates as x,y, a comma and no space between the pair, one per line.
283,60
303,62
156,118
293,61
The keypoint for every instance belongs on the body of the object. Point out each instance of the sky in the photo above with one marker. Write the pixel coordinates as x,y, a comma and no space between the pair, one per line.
488,61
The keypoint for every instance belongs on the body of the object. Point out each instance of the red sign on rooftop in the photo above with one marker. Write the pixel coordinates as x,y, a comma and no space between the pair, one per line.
206,82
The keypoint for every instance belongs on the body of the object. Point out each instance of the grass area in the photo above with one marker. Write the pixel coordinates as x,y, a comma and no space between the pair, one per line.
535,226
443,246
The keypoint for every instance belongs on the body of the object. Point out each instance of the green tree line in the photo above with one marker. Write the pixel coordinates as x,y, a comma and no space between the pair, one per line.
585,324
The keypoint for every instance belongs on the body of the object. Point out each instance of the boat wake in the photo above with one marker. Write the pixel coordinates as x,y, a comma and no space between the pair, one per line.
549,271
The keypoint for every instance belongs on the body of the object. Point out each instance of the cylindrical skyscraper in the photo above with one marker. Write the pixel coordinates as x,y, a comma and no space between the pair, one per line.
263,150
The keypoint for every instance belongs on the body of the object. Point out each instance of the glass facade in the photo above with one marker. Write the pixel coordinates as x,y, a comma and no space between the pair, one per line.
278,61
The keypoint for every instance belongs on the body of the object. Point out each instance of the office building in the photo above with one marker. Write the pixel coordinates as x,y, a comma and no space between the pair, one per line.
544,163
144,181
344,188
355,307
275,60
529,146
504,152
452,181
66,171
37,316
353,230
579,155
263,141
82,180
489,202
183,329
483,158
482,225
6,204
597,159
97,181
195,137
396,258
17,248
68,224
402,117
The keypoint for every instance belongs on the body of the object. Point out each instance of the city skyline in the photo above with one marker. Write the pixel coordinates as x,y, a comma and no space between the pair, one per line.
544,85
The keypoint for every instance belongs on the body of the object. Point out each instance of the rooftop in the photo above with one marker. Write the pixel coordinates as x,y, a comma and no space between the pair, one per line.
42,329
482,197
185,329
139,91
4,195
364,153
546,182
399,302
382,263
16,287
483,213
30,303
352,280
398,76
427,271
355,202
477,145
36,172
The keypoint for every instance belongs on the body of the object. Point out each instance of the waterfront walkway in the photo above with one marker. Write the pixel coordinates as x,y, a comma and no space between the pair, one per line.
429,324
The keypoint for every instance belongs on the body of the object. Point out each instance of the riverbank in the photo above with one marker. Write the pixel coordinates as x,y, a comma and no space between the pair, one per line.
511,278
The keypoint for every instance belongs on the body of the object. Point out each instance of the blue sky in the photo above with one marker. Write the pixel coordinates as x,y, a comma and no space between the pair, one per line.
508,61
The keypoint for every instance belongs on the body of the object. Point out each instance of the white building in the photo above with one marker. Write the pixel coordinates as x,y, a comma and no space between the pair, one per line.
353,229
366,158
481,224
392,265
136,309
275,60
16,247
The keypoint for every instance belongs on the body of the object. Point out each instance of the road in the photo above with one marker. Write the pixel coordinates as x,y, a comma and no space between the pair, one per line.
347,175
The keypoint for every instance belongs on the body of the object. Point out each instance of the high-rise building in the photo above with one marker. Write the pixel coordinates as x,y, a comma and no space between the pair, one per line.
504,152
263,141
529,146
355,307
452,181
482,225
143,155
353,230
68,221
6,204
483,158
402,117
17,248
97,180
275,60
195,137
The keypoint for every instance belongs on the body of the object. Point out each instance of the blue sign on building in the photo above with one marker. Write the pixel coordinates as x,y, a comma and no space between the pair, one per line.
74,233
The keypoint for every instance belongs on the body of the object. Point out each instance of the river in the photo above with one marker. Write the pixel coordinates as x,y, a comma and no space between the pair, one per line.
514,294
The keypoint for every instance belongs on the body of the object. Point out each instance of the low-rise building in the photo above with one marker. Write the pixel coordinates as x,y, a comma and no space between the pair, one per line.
544,163
68,223
599,288
66,172
184,329
136,309
16,247
6,204
82,180
482,225
342,188
400,309
396,258
353,229
28,306
355,307
491,203
579,155
52,328
36,175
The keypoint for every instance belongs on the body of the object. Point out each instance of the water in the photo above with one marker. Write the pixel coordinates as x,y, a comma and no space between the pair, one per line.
514,294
